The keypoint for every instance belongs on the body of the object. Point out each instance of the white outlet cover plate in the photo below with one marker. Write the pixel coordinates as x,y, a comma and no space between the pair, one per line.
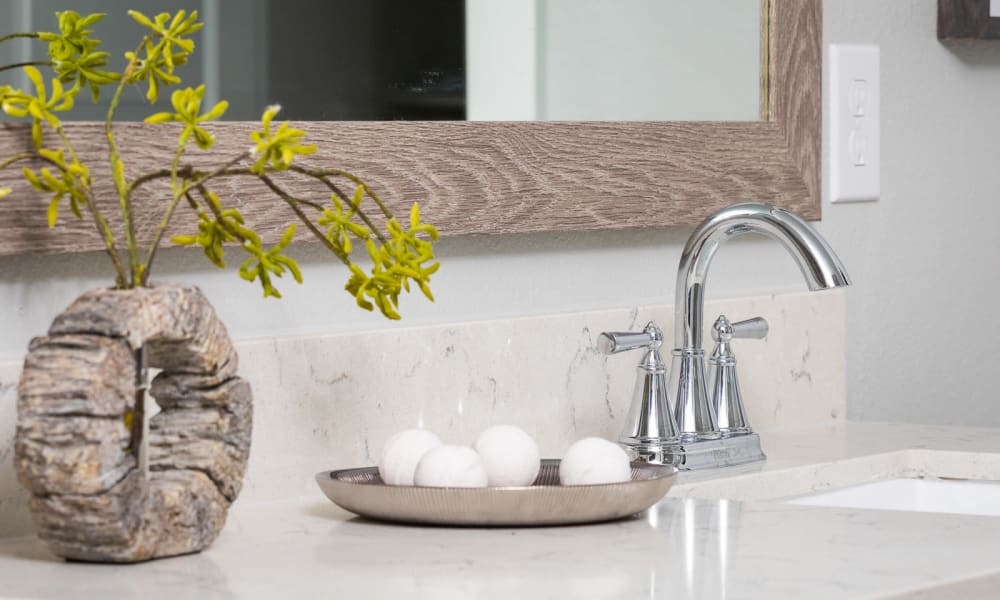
855,117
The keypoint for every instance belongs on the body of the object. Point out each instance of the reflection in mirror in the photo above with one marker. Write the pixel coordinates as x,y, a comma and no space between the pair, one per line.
444,59
598,60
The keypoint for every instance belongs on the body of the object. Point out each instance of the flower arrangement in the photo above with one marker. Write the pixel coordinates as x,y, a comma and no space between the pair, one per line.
400,254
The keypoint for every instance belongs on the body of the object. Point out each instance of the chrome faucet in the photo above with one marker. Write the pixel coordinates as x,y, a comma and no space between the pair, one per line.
695,439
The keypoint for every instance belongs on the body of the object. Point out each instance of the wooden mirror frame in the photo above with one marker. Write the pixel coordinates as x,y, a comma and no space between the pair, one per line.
490,178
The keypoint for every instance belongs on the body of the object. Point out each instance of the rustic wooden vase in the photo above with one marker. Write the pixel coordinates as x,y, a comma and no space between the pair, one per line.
77,454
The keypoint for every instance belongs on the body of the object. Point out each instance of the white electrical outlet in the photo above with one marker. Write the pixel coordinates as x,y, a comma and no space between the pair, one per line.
855,153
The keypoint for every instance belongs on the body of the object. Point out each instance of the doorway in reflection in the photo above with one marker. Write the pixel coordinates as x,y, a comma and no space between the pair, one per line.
379,60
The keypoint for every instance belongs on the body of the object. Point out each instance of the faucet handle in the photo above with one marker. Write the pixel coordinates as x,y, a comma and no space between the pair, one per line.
649,425
613,342
755,328
726,397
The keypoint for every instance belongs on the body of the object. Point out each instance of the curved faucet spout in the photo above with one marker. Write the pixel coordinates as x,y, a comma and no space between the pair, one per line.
819,264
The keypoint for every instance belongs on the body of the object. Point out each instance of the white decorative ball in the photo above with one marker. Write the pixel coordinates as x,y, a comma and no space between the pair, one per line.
401,454
592,461
451,466
509,454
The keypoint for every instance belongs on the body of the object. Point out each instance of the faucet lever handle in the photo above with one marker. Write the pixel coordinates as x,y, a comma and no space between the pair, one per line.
613,342
726,397
755,328
649,425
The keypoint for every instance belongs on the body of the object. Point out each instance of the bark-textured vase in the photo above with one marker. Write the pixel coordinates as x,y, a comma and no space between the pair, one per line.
73,448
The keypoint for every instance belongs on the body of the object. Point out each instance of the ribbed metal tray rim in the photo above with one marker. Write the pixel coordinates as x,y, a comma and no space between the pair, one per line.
535,505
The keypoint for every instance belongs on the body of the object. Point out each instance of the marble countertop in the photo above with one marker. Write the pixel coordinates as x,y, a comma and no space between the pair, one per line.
691,545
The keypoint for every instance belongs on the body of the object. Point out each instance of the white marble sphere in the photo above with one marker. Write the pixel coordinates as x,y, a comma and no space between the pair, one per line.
510,456
593,461
401,454
451,466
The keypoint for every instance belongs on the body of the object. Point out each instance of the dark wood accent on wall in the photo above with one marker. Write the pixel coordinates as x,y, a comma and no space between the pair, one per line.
967,19
497,178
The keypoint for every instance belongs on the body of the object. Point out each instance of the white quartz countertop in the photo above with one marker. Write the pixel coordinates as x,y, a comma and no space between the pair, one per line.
691,545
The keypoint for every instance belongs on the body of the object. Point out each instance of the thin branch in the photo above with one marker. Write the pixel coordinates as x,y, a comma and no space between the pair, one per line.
146,178
294,204
13,159
213,174
115,159
65,138
340,194
14,36
346,175
151,253
179,194
104,230
31,63
188,173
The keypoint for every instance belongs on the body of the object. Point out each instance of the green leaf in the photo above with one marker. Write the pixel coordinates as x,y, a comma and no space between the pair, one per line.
91,19
286,237
36,133
33,179
217,111
53,211
163,117
36,78
141,19
184,240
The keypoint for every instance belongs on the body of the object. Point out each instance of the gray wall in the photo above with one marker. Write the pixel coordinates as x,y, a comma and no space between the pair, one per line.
925,258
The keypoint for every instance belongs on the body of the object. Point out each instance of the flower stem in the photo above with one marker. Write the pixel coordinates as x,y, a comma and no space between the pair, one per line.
294,204
179,194
30,63
104,230
346,175
13,159
14,36
117,170
216,173
340,194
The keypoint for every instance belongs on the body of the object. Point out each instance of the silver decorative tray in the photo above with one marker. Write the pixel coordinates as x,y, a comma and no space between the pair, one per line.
546,502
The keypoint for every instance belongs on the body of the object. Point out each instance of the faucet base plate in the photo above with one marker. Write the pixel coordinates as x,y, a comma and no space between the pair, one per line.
726,451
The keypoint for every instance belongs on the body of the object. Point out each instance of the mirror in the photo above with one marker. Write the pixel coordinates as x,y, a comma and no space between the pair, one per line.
483,60
493,178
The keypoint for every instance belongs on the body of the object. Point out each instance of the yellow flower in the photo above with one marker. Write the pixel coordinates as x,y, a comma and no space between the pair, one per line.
73,54
72,177
187,103
213,233
171,34
153,68
262,264
278,148
339,225
41,106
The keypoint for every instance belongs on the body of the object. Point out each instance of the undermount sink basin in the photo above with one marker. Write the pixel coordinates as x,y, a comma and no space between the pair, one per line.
919,495
916,480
